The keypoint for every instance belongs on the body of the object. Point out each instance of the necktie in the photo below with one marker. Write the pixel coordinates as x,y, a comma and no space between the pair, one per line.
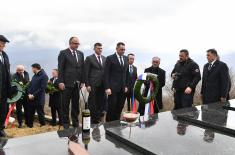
210,66
131,69
121,61
99,60
74,54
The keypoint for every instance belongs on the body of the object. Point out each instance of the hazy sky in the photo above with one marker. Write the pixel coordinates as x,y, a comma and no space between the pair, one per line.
39,29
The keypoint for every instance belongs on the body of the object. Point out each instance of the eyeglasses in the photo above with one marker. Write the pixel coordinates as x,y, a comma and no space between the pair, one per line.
75,43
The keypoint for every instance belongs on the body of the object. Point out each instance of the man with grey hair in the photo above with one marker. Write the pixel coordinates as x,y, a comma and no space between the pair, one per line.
5,86
21,76
155,69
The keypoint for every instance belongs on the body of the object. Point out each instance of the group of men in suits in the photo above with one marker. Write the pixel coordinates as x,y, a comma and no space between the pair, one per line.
109,81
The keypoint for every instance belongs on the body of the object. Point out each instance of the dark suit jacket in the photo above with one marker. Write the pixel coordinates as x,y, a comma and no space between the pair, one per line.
5,77
215,82
55,98
94,72
161,78
38,86
70,70
18,78
115,75
132,78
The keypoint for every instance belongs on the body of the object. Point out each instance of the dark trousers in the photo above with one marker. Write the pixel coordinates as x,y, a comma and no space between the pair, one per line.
96,102
71,93
3,112
129,100
183,100
33,107
116,103
54,110
22,103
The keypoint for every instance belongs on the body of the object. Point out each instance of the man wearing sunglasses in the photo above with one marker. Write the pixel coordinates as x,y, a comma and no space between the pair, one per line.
71,70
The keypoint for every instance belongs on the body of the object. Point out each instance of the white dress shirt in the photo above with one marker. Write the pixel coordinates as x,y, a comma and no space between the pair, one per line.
118,56
96,55
75,53
1,58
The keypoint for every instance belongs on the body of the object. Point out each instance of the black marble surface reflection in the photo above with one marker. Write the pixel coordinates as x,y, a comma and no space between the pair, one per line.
165,135
51,144
230,105
213,116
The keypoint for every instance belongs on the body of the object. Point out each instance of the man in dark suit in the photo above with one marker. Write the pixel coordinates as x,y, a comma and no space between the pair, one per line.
94,68
116,82
23,77
5,86
215,80
55,99
36,94
71,77
132,73
155,69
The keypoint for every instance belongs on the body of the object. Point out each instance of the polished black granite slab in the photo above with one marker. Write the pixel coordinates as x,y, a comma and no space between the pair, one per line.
213,116
164,135
230,105
51,144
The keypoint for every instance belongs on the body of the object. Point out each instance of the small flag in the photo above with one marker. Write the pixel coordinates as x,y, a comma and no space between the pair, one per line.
142,76
133,102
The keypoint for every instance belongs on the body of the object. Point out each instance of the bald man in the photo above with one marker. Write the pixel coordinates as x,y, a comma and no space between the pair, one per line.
71,77
21,76
155,69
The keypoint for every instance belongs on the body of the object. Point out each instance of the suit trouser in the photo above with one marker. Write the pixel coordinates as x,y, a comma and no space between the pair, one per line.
3,112
33,107
54,110
96,102
116,103
70,93
129,100
183,100
22,103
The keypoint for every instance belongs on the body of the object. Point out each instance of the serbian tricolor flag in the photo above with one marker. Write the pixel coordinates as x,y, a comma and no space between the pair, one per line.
142,76
133,102
149,107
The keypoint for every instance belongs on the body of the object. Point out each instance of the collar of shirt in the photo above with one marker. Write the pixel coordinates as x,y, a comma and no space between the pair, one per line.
75,53
72,51
96,55
118,56
212,63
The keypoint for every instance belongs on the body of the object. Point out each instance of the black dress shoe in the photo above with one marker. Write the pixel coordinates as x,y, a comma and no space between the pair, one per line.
3,133
53,124
20,126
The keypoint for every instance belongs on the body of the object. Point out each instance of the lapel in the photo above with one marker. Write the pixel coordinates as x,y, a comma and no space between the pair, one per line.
6,61
117,60
97,62
213,67
72,57
103,60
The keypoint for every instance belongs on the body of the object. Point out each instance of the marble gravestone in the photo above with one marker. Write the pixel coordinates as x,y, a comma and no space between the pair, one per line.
175,132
